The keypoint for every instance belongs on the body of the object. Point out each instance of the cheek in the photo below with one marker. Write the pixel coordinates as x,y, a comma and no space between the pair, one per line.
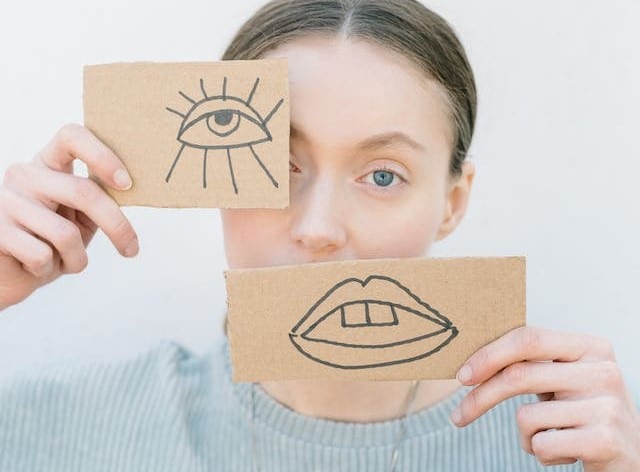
249,235
406,230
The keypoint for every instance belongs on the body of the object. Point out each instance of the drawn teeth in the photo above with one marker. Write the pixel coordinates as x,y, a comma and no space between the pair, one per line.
381,313
367,314
362,334
354,314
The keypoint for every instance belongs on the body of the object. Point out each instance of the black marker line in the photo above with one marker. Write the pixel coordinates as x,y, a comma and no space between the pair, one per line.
176,112
344,324
188,98
376,346
204,170
175,161
454,333
264,168
255,86
233,179
254,119
322,299
395,316
225,133
230,146
243,113
203,91
442,319
438,319
266,120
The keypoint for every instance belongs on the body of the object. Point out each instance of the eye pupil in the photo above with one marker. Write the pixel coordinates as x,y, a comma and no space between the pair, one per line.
382,177
223,117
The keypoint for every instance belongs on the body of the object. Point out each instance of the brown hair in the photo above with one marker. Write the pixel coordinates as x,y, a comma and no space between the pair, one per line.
405,26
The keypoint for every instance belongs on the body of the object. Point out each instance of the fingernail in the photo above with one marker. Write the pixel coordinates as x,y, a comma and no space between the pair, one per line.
122,179
132,249
456,416
464,374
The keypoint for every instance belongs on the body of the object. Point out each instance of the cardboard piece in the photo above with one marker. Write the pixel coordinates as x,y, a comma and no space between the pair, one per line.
198,134
378,319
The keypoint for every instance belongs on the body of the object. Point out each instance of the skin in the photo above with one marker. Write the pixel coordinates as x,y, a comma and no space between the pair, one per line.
335,205
48,216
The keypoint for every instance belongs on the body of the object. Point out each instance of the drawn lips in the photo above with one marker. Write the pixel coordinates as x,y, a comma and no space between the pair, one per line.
347,333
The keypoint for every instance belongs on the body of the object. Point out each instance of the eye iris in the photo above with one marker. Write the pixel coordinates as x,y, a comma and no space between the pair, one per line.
223,117
383,177
223,122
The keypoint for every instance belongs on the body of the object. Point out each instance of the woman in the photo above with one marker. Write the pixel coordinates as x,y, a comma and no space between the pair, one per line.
383,105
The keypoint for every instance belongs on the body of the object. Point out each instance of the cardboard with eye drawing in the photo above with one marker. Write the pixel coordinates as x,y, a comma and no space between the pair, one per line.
384,319
194,134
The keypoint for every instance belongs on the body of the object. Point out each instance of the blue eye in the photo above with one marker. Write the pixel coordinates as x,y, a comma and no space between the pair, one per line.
383,177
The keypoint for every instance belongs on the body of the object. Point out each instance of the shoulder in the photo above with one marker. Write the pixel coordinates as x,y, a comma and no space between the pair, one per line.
144,401
166,364
66,375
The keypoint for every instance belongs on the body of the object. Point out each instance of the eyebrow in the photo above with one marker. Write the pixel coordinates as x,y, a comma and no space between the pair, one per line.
373,142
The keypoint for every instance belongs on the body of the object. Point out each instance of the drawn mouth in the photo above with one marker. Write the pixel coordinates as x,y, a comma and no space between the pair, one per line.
347,333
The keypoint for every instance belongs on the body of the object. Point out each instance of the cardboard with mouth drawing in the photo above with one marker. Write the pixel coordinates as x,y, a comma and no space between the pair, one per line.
384,319
195,134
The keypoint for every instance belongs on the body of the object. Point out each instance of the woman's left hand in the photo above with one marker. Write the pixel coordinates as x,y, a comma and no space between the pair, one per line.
586,414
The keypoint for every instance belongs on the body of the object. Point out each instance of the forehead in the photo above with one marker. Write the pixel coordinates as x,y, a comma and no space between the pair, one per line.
347,89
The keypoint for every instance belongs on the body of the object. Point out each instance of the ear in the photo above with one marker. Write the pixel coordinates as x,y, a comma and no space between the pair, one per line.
457,199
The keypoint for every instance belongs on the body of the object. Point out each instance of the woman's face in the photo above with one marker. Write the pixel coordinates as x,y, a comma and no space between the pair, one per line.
371,138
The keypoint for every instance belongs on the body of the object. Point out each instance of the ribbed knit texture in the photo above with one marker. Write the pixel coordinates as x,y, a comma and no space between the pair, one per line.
169,409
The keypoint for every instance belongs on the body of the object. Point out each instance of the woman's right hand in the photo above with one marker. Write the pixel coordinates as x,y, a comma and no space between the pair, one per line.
48,216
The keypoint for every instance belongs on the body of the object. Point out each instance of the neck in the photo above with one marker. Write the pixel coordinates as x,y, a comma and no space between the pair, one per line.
356,401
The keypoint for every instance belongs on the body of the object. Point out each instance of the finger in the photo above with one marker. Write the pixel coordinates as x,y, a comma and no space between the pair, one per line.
75,141
539,377
535,417
83,222
586,444
84,195
543,397
534,344
35,255
63,235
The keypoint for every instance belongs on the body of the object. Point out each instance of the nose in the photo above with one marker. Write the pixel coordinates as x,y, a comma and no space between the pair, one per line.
317,223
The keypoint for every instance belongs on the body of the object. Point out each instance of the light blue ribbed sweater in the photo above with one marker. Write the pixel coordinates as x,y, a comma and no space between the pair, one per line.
169,409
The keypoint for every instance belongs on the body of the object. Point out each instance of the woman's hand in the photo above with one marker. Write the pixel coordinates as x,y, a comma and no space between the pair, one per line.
586,414
48,216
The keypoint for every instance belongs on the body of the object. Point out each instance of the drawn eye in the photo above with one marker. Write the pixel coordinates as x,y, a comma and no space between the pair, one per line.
223,122
370,331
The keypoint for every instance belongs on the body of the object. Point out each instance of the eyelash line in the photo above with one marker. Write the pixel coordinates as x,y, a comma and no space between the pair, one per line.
387,169
382,168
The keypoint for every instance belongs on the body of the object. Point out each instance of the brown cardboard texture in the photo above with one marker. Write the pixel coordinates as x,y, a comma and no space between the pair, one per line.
379,319
195,134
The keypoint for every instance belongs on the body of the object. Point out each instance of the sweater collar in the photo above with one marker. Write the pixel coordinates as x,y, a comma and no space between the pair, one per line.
272,415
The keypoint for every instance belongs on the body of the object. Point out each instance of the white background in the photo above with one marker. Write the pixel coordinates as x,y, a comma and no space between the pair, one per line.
555,146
